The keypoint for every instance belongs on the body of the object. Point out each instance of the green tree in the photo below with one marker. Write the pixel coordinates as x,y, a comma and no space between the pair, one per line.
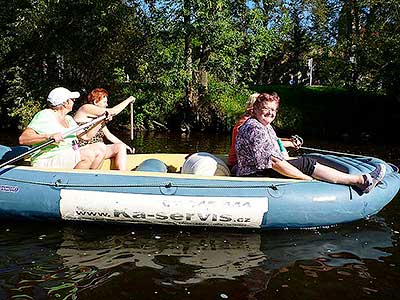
190,61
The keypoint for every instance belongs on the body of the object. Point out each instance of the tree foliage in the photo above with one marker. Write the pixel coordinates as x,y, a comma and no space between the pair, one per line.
192,61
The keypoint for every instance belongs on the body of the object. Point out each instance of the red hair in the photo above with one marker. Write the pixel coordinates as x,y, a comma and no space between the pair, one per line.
96,95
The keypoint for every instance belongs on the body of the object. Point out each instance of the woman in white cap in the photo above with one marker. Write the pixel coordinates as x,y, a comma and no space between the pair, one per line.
52,123
96,106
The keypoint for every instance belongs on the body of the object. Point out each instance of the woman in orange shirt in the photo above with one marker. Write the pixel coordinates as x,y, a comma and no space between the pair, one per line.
232,158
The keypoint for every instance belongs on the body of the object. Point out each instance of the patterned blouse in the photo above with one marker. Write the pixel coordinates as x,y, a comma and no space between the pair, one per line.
97,138
255,145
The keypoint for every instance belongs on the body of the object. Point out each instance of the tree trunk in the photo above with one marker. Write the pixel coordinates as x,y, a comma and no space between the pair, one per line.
187,8
202,81
355,42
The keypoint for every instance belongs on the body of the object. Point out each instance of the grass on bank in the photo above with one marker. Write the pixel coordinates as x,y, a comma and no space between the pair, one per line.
325,111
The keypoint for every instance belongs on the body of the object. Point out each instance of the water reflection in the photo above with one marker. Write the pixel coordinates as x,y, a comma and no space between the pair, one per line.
68,260
62,261
169,142
227,255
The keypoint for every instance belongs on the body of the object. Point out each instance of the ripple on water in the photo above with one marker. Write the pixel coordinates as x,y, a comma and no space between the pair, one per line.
95,262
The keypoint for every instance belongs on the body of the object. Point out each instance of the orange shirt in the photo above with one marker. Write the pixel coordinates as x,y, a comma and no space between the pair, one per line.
232,158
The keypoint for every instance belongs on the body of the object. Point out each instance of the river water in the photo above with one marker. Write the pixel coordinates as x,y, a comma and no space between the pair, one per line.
84,261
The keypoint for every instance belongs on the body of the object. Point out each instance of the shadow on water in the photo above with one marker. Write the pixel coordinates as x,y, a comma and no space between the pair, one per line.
102,262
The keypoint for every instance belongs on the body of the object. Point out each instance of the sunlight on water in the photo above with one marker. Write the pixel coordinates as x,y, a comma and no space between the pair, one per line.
95,262
82,261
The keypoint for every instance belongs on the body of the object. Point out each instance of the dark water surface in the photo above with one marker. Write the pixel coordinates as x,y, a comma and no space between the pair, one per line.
84,261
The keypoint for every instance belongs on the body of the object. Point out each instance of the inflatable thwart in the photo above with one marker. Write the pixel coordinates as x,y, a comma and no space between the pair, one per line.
205,164
7,153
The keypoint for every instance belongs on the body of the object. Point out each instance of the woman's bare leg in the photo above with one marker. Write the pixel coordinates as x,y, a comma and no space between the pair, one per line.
117,153
92,156
329,174
100,152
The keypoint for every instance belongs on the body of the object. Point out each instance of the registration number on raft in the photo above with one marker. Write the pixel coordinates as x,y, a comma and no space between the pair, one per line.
162,209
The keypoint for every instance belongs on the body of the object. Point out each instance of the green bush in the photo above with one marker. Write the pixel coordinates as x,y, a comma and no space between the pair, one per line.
227,101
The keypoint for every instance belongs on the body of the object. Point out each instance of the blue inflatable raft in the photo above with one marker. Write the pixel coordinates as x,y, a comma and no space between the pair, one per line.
156,192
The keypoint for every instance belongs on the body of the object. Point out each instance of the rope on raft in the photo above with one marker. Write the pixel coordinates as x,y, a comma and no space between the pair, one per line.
60,184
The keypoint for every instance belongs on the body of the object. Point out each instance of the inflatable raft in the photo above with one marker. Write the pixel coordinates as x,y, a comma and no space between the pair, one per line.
173,189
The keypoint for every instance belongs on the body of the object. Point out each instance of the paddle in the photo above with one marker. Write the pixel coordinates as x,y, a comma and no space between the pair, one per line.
333,152
131,121
52,140
297,139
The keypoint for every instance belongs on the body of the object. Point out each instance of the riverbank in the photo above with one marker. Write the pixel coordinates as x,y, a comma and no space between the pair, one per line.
316,111
335,114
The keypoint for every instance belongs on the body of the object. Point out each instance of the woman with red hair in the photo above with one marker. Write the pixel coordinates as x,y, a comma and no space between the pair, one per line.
283,142
96,106
259,154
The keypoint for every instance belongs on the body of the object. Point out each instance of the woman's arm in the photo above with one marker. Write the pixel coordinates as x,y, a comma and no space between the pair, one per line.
113,139
87,111
89,133
288,143
120,107
291,143
31,137
286,169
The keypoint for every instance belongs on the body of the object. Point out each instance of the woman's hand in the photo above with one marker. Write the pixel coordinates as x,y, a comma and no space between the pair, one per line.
108,118
297,142
129,149
58,137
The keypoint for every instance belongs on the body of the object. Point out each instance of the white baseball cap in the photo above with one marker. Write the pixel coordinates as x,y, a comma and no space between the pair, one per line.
59,95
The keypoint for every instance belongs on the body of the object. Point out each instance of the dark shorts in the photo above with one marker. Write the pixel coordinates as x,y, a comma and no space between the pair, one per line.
233,169
303,163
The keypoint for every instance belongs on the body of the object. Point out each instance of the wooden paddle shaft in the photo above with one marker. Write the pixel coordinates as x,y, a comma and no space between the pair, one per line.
131,121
